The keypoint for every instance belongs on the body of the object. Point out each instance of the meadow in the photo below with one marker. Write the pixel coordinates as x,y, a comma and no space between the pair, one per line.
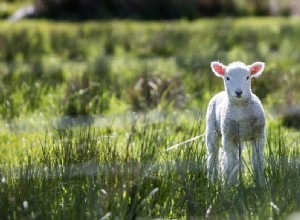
88,110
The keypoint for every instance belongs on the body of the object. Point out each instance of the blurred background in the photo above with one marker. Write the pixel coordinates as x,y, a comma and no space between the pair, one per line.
89,57
152,9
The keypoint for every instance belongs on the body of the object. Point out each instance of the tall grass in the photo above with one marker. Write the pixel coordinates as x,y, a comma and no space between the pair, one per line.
91,173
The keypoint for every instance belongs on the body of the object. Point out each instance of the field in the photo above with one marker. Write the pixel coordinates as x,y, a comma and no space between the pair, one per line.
88,110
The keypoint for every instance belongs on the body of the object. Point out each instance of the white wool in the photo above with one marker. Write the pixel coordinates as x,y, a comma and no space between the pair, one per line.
234,116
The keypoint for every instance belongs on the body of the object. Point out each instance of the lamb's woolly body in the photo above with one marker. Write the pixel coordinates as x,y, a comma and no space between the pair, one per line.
234,120
245,119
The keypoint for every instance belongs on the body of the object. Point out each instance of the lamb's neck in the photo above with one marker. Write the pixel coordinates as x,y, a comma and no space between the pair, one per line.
240,102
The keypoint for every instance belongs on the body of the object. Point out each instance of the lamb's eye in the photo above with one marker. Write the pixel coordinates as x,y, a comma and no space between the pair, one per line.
247,77
227,78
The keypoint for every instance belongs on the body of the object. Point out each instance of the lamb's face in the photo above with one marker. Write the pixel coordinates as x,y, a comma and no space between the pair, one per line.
237,77
237,81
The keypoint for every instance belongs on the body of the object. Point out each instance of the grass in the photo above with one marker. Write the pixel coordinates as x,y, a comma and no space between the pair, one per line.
41,60
72,147
91,173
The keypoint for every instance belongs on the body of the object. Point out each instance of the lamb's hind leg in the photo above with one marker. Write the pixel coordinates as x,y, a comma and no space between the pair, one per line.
258,158
212,145
230,162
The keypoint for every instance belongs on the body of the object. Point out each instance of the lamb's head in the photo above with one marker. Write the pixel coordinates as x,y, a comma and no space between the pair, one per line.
237,77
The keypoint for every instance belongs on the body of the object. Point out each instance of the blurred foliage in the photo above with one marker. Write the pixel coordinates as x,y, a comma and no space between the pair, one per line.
291,117
92,67
152,91
83,97
91,92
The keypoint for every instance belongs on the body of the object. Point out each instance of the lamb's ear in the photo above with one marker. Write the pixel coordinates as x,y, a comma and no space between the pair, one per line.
218,68
256,69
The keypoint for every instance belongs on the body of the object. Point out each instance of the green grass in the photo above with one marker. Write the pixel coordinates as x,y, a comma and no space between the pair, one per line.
43,63
112,162
86,173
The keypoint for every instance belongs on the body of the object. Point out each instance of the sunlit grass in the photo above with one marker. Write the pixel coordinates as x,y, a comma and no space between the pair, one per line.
87,172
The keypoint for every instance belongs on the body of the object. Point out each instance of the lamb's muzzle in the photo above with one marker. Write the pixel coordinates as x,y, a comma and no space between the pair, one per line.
238,93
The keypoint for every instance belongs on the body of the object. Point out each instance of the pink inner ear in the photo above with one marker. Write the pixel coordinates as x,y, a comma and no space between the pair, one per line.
255,69
219,69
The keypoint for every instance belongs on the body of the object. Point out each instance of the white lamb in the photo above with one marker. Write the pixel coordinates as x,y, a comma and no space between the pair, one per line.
235,115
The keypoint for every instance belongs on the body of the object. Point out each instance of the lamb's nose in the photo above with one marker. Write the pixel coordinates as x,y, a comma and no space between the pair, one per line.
238,92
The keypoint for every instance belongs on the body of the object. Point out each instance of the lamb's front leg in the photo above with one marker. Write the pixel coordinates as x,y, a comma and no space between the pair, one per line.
212,144
230,161
258,158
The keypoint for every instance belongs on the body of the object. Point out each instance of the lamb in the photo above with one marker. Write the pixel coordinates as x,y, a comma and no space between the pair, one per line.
234,116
